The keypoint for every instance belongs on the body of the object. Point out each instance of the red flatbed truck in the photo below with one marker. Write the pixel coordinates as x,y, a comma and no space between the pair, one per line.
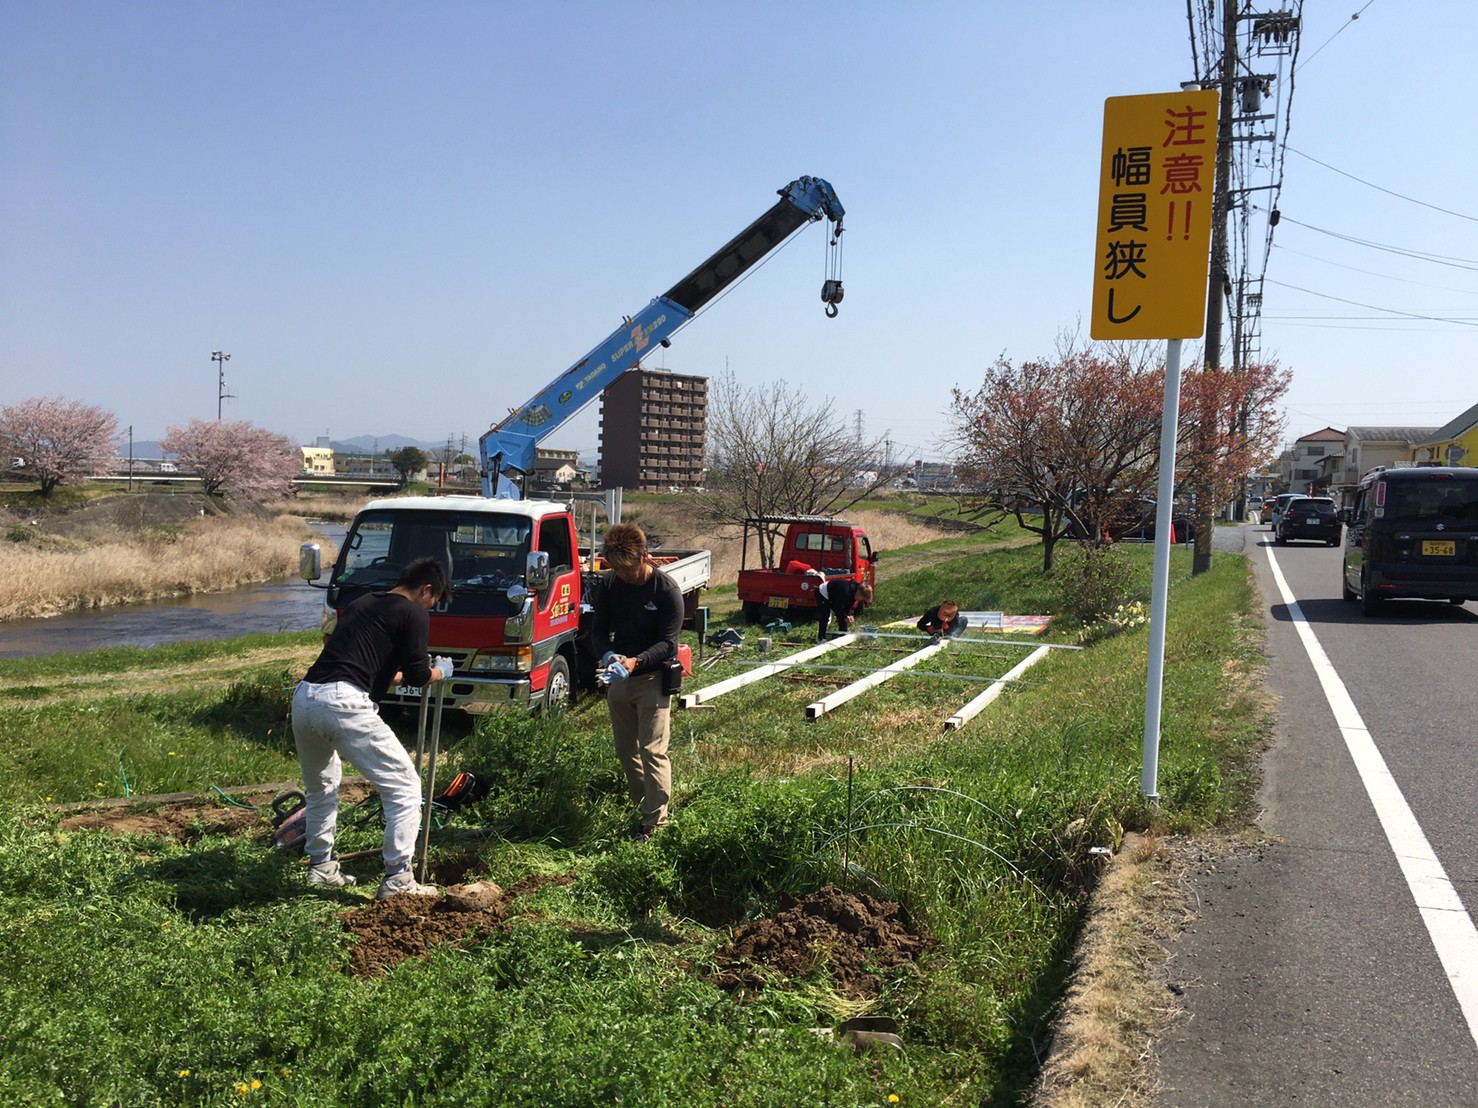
812,544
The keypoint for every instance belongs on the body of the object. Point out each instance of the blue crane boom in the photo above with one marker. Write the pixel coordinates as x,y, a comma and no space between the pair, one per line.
511,444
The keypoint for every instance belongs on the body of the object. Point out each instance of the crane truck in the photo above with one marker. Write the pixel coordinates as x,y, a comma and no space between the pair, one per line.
517,627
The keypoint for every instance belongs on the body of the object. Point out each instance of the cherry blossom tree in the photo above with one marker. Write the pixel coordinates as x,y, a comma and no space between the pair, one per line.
1063,444
235,457
1230,423
61,440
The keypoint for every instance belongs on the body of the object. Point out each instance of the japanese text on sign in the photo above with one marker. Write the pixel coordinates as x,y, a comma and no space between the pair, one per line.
1156,180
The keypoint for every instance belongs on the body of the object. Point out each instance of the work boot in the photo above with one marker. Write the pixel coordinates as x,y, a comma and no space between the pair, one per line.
329,875
404,884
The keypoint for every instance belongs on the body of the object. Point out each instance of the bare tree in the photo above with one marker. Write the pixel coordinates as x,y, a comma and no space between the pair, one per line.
772,453
62,441
235,457
1062,444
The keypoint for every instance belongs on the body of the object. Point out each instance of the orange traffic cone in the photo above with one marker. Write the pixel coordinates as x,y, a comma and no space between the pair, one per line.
1172,534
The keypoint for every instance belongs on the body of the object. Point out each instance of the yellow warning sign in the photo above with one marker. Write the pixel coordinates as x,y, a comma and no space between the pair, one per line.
1156,182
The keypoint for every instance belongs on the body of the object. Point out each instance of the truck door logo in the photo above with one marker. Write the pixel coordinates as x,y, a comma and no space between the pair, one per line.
562,606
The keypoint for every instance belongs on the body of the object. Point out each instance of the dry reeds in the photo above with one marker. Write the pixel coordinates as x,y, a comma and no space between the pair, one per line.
205,555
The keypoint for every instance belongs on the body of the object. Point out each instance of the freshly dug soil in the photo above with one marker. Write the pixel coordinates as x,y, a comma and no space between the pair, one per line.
849,936
387,932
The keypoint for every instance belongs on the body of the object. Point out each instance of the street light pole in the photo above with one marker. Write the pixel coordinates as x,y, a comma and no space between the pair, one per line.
220,358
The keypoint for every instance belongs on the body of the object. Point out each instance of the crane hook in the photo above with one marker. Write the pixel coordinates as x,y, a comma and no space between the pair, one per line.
831,296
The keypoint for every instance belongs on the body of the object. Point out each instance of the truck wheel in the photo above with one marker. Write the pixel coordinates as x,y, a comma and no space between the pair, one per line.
754,611
559,693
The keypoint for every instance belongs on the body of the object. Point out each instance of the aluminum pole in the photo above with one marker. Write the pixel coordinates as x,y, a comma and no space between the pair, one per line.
1160,588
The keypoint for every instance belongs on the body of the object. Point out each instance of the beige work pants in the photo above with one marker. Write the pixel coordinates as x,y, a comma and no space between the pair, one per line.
639,725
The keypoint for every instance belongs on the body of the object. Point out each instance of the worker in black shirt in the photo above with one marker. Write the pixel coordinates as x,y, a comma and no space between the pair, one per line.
379,641
943,621
841,597
637,618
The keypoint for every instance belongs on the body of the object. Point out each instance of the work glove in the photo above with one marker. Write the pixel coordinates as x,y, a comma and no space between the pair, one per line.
444,664
934,639
612,673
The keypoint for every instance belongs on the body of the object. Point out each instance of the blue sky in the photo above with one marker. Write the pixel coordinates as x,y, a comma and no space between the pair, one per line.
407,218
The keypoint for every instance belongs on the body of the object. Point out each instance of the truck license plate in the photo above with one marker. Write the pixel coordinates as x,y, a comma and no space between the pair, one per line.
408,690
1439,548
779,602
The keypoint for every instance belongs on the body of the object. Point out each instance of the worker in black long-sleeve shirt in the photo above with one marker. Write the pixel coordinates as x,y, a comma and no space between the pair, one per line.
380,640
637,618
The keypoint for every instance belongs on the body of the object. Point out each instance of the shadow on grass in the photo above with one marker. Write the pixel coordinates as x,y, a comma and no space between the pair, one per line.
208,883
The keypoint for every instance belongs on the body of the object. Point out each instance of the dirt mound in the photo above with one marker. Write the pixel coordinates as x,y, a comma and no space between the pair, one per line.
849,936
387,932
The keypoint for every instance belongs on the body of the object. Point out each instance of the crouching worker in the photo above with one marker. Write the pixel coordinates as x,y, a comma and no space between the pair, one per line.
637,618
943,621
841,597
380,641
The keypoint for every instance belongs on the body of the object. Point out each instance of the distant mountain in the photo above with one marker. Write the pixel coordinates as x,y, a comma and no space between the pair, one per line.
366,444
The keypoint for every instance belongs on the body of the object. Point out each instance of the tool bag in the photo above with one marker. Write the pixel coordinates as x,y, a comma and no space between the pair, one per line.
464,789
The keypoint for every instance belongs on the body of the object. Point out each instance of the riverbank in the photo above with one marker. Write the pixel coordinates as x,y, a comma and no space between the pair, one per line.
130,548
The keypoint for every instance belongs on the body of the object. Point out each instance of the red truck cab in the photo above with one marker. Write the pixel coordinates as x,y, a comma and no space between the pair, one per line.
812,544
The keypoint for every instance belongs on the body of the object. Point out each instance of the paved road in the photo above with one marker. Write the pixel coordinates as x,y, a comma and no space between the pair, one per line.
1310,977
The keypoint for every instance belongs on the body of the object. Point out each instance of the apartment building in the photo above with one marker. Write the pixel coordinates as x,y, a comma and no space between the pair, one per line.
653,431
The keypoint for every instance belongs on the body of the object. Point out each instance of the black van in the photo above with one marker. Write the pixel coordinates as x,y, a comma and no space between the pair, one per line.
1412,533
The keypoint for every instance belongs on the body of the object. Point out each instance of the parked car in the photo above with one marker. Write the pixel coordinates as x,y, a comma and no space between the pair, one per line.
1138,523
1412,533
1309,517
1279,502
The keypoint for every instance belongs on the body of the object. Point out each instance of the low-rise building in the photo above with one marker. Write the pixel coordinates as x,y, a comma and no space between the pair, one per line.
1453,444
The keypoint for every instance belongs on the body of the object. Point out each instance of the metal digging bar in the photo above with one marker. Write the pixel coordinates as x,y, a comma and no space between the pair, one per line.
430,772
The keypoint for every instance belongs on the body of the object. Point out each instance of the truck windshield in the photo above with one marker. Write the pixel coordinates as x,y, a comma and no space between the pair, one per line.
1449,500
480,550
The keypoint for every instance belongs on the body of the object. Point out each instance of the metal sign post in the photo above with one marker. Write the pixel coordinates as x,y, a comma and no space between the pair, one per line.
1151,258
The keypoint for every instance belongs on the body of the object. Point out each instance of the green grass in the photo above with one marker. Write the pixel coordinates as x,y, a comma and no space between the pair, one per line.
142,971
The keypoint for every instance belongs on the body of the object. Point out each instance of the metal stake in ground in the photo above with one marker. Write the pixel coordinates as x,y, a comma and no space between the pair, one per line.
430,779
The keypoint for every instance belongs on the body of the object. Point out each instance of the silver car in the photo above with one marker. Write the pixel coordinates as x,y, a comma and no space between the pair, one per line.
1279,503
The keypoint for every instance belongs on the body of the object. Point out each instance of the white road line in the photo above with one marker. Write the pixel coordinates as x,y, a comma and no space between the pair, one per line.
1448,923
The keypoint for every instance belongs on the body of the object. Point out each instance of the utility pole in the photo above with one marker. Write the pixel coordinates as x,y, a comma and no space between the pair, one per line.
220,358
1218,282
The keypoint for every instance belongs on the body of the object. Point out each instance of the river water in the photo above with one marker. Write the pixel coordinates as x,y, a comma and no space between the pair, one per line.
278,606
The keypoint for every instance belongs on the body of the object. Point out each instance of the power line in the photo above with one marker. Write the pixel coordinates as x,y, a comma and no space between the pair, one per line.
1343,28
1405,252
1372,307
1373,273
1388,192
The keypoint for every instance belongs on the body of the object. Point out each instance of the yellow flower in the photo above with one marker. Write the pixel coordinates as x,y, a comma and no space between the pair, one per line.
242,1088
255,1084
184,1073
284,1072
892,1098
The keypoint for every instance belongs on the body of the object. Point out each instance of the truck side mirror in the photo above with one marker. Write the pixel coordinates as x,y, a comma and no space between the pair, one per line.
1344,515
310,562
536,570
873,557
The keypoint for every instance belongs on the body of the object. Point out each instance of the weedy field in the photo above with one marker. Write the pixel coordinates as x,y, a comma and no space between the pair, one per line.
863,865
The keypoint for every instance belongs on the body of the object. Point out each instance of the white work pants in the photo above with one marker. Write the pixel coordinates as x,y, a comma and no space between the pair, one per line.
338,721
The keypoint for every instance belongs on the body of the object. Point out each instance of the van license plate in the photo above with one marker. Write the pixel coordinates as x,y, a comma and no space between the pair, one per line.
1439,548
779,602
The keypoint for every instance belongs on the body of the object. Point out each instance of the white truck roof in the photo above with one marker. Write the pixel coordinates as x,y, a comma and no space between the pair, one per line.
532,509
